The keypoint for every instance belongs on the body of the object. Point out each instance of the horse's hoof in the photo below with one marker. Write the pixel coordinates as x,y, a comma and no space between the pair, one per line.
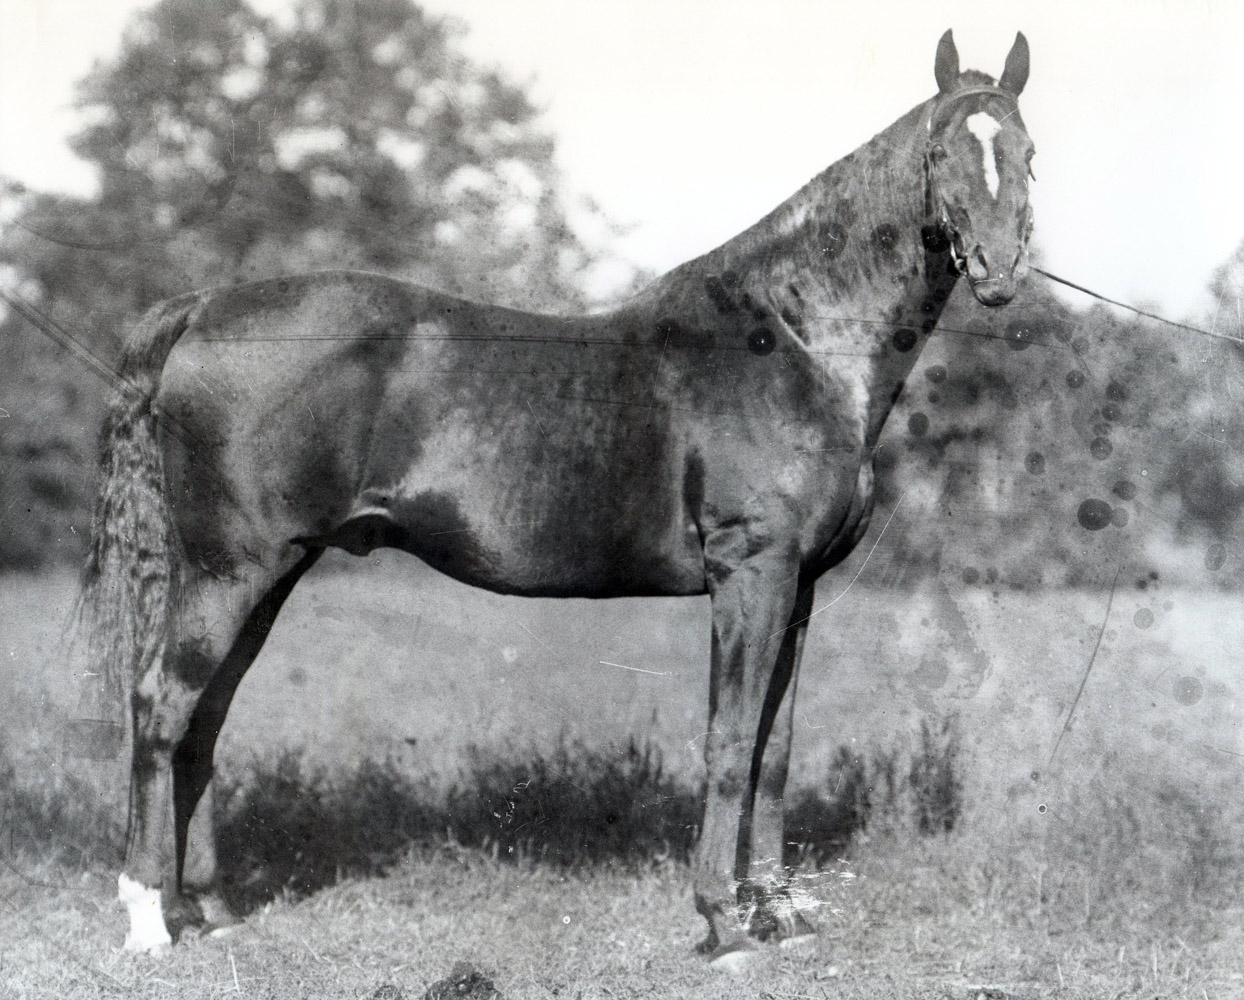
155,947
799,944
794,930
218,919
779,922
733,959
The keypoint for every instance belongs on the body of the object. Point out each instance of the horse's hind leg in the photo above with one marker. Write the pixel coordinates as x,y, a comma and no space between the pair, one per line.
193,759
215,632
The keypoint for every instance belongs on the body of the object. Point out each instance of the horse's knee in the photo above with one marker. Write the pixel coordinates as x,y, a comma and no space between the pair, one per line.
728,765
730,782
152,752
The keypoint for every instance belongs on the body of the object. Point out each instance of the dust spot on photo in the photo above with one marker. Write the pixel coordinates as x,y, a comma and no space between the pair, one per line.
1188,690
1101,448
1094,514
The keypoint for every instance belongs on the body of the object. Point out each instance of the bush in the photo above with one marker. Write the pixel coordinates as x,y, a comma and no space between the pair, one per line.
286,827
863,791
291,829
59,818
822,826
580,805
936,788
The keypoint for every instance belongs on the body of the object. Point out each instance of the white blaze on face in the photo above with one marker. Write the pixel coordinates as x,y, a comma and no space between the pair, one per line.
985,127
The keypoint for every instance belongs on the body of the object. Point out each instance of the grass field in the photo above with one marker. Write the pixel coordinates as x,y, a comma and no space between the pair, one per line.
1099,856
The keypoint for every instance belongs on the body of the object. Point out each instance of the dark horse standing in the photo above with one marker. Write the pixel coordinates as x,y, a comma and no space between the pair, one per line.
712,436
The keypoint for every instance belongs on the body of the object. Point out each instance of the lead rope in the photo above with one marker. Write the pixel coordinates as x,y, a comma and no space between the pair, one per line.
1139,312
933,195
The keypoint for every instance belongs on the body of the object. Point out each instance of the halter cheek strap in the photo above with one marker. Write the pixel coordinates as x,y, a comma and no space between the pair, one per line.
935,208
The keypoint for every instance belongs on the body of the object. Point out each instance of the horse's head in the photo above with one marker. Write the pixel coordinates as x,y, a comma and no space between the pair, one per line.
978,165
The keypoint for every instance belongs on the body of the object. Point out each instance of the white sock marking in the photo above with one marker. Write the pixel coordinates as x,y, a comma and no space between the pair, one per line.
147,931
985,127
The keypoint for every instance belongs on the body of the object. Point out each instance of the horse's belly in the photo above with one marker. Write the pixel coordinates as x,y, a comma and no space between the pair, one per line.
525,541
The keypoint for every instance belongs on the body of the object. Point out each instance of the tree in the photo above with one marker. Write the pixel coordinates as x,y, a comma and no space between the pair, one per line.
1227,289
1207,473
356,136
230,146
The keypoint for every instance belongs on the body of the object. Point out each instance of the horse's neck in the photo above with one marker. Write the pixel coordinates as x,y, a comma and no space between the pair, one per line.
843,267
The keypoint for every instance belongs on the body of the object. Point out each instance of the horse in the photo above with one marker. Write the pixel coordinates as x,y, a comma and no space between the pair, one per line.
712,435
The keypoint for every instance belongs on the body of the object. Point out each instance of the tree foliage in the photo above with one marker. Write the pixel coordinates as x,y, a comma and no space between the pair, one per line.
1021,416
230,146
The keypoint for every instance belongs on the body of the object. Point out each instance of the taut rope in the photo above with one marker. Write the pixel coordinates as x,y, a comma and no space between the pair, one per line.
1139,312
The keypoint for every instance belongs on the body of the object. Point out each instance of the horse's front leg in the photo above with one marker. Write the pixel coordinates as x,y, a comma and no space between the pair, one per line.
773,911
753,594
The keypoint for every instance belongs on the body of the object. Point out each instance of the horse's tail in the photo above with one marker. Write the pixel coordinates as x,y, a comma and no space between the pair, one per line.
131,578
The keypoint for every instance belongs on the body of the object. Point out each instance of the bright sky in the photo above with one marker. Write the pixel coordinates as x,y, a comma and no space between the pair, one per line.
689,119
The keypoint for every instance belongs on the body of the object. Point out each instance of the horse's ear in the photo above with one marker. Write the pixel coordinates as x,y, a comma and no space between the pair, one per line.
946,68
1016,73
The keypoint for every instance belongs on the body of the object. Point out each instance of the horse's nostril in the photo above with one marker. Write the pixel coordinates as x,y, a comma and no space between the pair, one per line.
977,264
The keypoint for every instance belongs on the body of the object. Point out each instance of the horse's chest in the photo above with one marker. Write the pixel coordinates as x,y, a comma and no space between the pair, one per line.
844,520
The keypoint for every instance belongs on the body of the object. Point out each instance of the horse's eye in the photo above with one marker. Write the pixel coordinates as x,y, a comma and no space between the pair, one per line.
938,151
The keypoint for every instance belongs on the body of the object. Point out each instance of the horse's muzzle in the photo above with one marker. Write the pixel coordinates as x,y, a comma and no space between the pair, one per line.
993,286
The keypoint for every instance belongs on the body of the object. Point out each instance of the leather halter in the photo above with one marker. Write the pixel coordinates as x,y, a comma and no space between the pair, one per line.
979,88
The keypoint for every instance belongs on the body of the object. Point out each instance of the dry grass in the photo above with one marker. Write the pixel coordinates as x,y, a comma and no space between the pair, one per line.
910,923
1111,872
